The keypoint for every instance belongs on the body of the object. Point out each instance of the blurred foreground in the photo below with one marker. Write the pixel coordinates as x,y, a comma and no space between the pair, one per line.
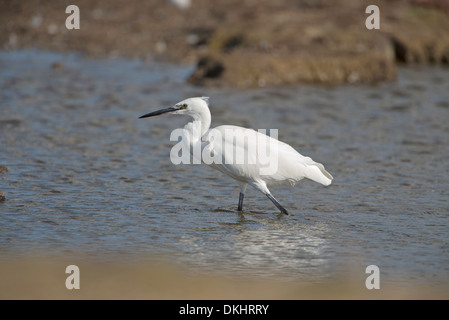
30,278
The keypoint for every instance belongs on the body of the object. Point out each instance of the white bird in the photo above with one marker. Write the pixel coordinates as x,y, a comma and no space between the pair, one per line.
282,166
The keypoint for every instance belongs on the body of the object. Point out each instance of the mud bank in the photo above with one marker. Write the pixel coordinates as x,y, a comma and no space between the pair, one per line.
3,169
243,44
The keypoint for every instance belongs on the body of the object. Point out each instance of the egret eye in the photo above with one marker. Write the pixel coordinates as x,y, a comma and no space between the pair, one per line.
183,106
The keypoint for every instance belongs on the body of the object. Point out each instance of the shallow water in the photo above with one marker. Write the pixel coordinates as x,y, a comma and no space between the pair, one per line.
87,177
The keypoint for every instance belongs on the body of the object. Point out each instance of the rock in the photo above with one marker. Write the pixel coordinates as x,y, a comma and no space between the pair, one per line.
206,71
419,35
3,169
268,51
57,65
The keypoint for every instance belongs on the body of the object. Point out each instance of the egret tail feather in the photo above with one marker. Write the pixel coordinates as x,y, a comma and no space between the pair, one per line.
317,173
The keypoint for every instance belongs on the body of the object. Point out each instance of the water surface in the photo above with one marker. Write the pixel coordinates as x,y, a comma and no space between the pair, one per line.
87,176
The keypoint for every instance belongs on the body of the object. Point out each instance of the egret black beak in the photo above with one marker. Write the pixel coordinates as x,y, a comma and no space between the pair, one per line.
158,112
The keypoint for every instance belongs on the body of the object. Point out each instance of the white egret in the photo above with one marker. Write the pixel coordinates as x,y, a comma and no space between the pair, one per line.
289,165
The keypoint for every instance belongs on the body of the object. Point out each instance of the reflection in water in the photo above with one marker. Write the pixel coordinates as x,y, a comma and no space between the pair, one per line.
284,247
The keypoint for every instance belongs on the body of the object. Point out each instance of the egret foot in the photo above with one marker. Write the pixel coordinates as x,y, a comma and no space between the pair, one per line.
277,204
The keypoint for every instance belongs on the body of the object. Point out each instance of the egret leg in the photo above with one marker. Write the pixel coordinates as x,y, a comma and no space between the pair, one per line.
242,194
240,201
276,203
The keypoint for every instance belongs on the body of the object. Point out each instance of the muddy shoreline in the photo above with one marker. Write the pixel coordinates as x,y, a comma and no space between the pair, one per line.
34,278
243,44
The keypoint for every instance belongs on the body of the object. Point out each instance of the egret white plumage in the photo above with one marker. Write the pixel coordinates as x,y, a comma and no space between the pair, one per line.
225,143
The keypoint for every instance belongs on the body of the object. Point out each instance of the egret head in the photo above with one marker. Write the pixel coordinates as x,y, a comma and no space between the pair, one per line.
191,106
